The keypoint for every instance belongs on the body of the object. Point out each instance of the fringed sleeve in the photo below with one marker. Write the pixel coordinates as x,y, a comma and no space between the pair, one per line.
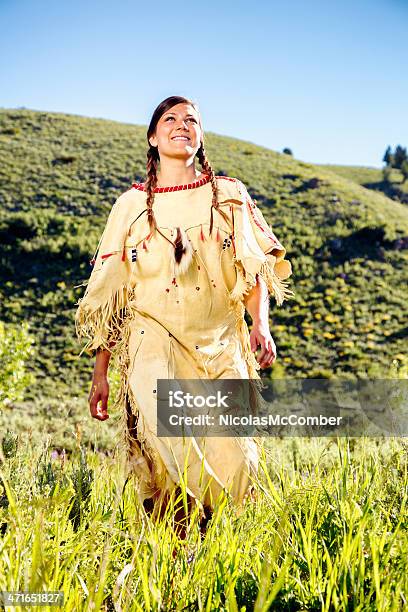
258,251
100,313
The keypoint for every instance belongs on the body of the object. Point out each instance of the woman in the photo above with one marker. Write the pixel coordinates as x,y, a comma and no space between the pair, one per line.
181,257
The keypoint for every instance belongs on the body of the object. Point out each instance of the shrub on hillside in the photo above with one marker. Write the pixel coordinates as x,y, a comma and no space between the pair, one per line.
15,350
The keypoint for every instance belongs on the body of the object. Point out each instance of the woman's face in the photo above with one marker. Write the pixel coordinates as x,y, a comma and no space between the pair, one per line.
178,132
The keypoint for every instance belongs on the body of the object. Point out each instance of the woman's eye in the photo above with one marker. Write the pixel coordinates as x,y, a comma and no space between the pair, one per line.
188,119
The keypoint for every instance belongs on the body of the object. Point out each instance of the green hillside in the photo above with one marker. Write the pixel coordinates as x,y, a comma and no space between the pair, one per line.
59,176
395,188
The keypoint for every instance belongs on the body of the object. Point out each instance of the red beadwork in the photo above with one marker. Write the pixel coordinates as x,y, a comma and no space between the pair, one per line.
202,181
233,244
202,237
227,178
218,237
253,210
124,254
198,183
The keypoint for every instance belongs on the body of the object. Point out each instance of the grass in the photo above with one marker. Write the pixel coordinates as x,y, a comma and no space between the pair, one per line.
328,532
372,178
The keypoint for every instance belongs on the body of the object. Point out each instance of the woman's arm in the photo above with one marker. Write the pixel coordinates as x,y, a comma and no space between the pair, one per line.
99,393
102,361
257,304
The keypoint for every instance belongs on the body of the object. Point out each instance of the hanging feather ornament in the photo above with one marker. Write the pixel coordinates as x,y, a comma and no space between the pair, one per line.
182,252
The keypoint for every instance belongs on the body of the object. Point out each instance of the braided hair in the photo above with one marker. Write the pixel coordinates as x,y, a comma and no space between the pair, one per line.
153,159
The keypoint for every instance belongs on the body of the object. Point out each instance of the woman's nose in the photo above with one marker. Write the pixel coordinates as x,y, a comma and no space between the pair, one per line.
182,124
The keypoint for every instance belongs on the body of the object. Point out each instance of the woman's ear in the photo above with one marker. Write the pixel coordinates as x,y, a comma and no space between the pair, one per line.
153,141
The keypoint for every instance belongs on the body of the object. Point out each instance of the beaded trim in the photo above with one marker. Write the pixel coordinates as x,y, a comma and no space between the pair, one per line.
254,212
193,185
197,183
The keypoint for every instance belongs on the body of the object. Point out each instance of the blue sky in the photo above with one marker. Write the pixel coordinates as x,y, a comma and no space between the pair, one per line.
327,79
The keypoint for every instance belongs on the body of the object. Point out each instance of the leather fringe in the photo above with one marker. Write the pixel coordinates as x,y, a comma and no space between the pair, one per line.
246,281
276,286
103,325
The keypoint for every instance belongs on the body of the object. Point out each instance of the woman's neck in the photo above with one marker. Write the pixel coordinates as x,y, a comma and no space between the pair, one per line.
168,177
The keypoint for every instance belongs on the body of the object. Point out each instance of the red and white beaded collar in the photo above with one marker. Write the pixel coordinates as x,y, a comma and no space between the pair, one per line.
197,183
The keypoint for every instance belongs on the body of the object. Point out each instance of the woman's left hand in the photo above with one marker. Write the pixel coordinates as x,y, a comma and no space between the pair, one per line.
261,336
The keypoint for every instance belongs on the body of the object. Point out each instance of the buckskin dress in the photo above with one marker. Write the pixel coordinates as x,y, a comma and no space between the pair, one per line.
187,324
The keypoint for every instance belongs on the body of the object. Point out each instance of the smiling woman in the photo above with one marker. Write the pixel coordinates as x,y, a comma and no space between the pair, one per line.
181,256
178,133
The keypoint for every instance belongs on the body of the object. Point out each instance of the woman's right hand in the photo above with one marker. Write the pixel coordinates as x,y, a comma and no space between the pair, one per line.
98,397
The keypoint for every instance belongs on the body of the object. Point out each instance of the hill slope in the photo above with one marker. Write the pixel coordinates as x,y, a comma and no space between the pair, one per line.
372,178
59,176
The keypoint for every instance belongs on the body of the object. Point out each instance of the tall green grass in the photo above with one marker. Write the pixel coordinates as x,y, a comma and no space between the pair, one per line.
327,532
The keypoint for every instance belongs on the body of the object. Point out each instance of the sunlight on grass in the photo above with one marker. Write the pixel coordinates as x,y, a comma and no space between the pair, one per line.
327,531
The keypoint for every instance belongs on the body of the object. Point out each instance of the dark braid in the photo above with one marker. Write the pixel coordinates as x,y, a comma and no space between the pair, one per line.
205,164
149,186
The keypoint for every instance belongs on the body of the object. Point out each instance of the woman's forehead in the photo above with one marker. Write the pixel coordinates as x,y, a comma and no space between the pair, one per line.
182,109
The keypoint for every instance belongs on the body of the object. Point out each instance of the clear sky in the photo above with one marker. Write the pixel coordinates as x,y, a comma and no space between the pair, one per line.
327,79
